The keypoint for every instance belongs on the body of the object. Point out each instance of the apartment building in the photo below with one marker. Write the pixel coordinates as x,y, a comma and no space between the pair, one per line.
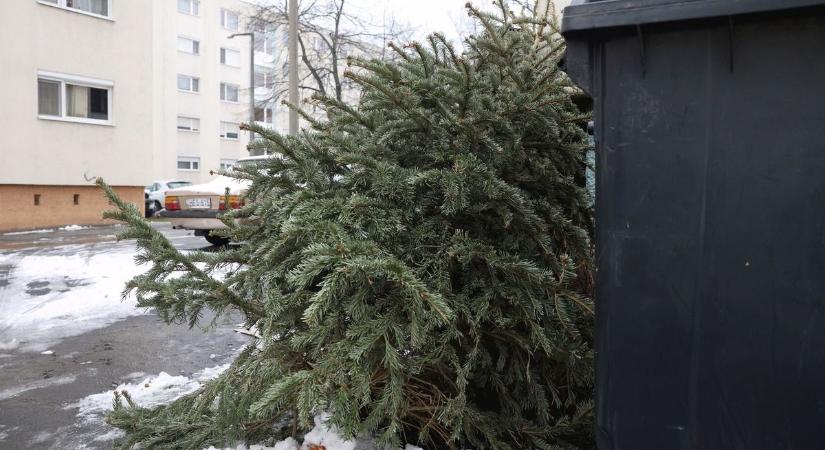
131,91
77,104
201,97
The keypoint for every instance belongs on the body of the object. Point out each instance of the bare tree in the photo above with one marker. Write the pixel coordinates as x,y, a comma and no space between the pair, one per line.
328,32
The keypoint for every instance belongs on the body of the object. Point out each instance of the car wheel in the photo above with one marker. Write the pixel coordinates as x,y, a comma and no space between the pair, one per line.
153,209
216,240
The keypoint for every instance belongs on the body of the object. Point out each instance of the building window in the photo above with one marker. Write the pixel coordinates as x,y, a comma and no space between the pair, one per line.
189,124
264,41
231,131
229,92
73,98
189,163
265,114
191,7
188,83
229,20
264,77
100,8
227,164
187,45
230,57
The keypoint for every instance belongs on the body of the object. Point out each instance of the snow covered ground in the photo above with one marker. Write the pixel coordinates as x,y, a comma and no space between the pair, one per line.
48,295
66,336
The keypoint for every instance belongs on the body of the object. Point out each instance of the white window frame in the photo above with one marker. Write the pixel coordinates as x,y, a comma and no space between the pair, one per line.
226,164
268,77
269,113
223,96
223,16
191,160
193,43
224,134
75,80
191,84
224,60
194,8
62,4
192,129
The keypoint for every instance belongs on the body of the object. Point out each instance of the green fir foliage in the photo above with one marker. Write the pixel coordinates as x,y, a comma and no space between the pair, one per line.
418,266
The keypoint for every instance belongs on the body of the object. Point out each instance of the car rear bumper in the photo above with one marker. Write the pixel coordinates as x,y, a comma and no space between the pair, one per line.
194,219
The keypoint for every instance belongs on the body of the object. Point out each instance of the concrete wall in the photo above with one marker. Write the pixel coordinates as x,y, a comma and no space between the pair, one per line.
56,205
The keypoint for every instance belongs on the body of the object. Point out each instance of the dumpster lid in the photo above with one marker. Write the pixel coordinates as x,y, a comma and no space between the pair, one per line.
594,14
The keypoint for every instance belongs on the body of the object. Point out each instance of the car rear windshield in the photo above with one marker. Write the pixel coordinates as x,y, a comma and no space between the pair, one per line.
177,184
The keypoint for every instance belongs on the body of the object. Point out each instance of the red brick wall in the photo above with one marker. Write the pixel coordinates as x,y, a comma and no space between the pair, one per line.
57,208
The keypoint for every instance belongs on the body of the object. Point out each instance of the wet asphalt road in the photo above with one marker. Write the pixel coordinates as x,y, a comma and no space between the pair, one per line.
37,390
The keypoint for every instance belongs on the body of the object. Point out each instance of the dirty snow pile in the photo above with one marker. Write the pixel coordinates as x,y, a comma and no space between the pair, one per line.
319,437
164,388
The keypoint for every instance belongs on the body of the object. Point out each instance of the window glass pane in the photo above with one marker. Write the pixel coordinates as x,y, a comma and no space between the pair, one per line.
93,6
183,165
230,57
86,102
177,184
188,7
229,20
188,45
230,130
48,97
77,101
98,104
188,124
196,82
184,83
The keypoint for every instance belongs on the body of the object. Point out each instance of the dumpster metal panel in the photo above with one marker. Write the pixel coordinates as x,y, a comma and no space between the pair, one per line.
710,233
597,14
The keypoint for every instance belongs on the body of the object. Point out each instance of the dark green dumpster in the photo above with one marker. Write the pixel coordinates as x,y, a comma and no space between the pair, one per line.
710,135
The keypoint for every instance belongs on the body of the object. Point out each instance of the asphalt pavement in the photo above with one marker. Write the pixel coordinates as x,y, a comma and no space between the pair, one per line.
66,335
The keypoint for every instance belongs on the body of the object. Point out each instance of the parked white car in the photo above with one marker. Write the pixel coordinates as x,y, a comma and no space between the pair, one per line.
155,194
197,207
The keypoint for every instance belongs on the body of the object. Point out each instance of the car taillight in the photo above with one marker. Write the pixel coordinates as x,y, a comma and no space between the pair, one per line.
172,203
235,202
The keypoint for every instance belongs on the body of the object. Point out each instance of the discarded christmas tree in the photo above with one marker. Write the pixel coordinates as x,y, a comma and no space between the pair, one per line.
418,266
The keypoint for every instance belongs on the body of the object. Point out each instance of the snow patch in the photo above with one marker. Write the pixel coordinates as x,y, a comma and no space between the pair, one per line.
40,384
110,436
324,436
320,436
19,233
47,352
73,228
150,392
9,345
52,295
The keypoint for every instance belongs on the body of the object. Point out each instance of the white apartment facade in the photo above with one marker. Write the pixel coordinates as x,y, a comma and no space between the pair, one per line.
127,90
203,89
77,104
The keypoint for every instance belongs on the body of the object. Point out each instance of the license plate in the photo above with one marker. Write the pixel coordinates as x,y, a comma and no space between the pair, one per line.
199,203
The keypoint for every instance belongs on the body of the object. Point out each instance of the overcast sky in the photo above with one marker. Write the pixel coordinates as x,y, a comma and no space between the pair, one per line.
426,16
